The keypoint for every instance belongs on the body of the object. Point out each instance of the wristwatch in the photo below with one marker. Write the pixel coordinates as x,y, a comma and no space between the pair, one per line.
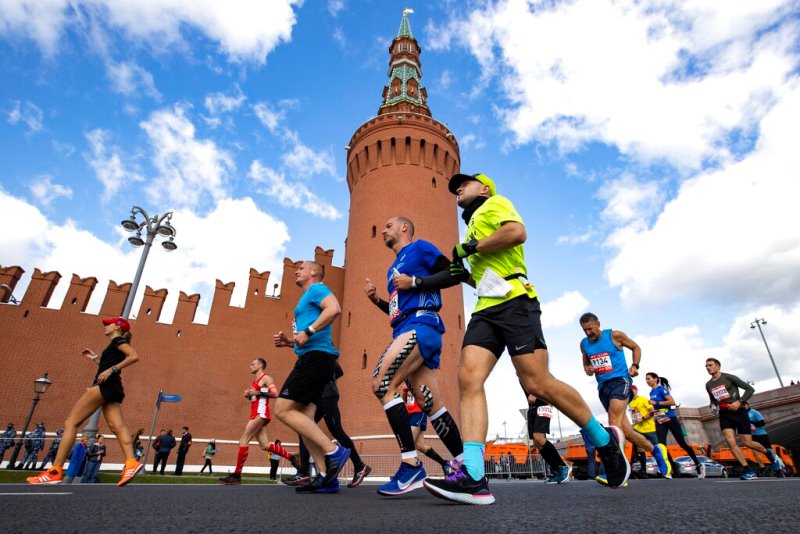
115,369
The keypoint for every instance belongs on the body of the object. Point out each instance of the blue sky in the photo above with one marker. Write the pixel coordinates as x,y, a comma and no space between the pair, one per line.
649,146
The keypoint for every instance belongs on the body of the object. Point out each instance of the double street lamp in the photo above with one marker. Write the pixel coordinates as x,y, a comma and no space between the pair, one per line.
757,324
40,386
139,222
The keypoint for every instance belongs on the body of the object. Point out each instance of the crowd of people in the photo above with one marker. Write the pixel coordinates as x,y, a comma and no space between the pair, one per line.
506,318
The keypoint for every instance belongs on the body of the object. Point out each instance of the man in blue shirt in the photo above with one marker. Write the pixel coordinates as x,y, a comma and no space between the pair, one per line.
758,430
413,283
316,365
604,357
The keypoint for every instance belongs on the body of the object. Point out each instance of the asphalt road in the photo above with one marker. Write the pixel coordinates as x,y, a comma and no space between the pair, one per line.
685,505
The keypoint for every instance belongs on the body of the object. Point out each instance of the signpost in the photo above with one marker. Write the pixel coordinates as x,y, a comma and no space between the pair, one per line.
162,397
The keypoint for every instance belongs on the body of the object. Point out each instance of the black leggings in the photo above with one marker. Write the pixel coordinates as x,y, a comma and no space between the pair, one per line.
207,464
328,409
674,426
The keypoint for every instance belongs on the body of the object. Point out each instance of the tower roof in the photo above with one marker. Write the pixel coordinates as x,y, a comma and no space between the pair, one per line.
405,92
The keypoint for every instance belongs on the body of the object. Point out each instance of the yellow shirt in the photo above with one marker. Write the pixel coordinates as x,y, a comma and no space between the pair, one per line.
641,407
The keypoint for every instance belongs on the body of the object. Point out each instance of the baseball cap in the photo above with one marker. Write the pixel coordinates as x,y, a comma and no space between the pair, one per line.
634,388
120,322
459,179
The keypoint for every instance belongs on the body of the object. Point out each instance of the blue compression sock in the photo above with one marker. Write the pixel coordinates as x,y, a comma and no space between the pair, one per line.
473,459
597,434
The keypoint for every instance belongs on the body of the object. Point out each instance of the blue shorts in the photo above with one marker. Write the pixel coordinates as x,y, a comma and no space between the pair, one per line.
429,341
615,388
419,419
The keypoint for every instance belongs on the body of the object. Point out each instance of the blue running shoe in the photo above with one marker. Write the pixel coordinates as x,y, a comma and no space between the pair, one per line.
773,459
614,461
334,463
319,486
749,475
560,475
461,488
662,459
406,479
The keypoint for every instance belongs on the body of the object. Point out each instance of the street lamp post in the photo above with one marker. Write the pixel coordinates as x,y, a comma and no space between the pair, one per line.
757,324
152,226
40,385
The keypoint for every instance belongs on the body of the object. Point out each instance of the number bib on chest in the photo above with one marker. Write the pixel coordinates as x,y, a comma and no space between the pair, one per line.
662,418
720,392
636,416
545,411
601,363
394,310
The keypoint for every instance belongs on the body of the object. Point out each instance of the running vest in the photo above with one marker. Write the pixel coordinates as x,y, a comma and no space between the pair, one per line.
607,360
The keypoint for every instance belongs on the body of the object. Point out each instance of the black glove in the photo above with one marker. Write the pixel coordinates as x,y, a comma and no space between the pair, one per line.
462,250
458,271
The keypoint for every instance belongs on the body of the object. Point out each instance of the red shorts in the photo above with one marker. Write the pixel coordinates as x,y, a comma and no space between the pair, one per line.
260,408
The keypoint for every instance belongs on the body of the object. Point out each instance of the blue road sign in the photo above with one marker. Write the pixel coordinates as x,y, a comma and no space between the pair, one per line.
170,398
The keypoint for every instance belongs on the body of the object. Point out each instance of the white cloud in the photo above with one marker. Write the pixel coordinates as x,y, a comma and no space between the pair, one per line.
290,194
107,162
190,169
259,243
471,140
45,191
218,103
128,78
729,235
304,161
268,116
28,113
650,79
575,239
564,310
335,6
64,149
246,30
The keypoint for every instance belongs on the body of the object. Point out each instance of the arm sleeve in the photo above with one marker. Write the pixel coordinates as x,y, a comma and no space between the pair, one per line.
748,389
383,305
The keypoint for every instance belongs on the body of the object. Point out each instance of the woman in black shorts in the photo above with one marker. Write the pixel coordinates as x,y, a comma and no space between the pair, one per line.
106,392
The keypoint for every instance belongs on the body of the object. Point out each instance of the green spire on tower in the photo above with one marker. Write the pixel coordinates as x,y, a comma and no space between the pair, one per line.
405,27
405,92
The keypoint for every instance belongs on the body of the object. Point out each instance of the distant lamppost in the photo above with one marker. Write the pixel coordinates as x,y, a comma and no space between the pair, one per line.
40,385
757,324
7,294
152,226
505,432
274,289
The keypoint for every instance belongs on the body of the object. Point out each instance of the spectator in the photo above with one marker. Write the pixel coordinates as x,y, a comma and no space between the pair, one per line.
274,460
164,447
94,458
208,454
77,460
136,442
51,453
156,446
34,442
183,449
7,440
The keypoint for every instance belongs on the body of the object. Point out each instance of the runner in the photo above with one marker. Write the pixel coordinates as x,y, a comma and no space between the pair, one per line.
419,424
316,362
506,316
758,429
414,279
667,418
645,424
723,393
604,358
106,392
259,393
539,414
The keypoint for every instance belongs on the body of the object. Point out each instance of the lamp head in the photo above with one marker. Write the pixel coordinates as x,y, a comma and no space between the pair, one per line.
136,240
170,245
130,224
41,384
166,230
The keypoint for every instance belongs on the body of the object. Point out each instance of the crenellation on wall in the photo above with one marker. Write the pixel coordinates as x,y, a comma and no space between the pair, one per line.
41,288
152,305
257,288
79,292
9,276
114,301
186,309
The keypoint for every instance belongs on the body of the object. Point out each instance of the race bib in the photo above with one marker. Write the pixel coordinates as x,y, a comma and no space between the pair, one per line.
294,325
394,310
636,416
545,411
601,363
662,418
720,392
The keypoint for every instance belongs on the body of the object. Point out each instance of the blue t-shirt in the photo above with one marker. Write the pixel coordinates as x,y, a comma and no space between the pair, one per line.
607,360
414,306
755,417
660,394
305,313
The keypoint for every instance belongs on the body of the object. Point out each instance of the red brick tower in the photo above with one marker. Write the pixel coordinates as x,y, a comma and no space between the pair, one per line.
398,163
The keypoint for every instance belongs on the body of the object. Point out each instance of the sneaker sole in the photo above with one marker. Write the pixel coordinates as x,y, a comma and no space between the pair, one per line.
48,482
124,481
665,455
462,498
411,487
230,483
565,479
621,444
364,473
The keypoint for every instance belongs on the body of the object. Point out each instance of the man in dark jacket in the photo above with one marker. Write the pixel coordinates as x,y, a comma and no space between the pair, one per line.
186,442
7,440
51,453
166,444
34,442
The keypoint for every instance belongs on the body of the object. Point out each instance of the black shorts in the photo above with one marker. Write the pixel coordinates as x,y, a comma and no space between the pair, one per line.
539,420
763,439
514,325
311,373
737,420
112,391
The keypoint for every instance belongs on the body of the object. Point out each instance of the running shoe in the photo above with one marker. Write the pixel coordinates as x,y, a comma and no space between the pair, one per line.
51,476
701,471
408,478
461,488
664,465
131,468
359,476
560,475
296,480
613,457
749,475
234,479
773,458
601,479
450,467
318,485
335,462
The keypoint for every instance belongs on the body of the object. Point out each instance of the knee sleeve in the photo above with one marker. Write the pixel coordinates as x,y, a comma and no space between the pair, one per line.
427,406
383,386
